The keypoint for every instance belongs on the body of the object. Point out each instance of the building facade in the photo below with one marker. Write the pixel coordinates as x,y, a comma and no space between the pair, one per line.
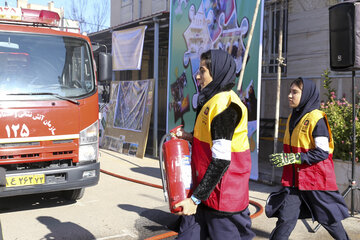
125,11
305,51
305,44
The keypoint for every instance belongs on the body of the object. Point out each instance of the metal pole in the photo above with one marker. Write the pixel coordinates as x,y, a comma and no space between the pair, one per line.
278,87
353,144
156,78
248,44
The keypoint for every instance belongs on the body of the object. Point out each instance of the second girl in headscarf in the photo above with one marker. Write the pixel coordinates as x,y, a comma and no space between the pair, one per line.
308,178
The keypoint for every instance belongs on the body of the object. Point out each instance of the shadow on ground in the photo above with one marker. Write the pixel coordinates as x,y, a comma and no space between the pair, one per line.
149,171
64,230
33,201
153,221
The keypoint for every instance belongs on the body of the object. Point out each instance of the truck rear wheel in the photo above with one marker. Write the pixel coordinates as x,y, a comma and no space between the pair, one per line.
74,195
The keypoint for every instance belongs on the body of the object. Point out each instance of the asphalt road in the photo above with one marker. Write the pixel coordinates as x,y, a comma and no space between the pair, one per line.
118,209
113,209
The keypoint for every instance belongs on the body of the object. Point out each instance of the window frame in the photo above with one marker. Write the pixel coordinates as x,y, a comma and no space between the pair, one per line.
271,38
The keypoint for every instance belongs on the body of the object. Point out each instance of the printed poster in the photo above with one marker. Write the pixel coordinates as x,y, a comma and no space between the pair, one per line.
127,48
128,117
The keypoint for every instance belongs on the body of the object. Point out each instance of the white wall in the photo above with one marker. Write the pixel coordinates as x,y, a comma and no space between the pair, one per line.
123,11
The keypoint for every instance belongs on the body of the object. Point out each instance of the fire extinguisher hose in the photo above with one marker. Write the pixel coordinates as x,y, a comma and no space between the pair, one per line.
258,206
162,168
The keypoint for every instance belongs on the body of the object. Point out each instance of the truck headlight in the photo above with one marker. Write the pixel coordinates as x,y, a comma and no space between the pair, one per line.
89,139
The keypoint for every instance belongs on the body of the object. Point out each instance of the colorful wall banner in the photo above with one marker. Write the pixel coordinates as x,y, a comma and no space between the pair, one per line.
127,48
197,26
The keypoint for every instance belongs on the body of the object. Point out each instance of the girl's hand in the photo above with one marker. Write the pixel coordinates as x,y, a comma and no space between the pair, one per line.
182,134
188,207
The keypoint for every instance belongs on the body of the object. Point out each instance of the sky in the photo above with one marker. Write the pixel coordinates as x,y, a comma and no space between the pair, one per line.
66,4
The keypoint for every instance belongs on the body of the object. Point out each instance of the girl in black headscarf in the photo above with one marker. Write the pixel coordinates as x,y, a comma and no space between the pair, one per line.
308,178
218,203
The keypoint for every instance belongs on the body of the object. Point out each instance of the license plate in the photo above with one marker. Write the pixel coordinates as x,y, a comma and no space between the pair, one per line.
25,180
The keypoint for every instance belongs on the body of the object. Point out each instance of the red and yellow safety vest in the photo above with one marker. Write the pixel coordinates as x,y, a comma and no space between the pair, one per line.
231,194
319,176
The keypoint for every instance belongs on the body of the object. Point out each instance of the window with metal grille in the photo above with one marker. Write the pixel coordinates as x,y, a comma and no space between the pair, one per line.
271,36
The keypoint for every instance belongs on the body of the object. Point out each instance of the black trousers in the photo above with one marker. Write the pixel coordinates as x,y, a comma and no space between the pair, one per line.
205,224
288,215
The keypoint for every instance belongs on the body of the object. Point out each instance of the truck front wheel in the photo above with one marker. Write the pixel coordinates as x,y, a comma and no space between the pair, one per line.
74,195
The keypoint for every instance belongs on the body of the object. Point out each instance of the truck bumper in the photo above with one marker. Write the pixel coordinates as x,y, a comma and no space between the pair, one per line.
56,179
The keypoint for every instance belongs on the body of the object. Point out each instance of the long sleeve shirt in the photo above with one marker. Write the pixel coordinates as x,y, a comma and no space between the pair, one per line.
222,130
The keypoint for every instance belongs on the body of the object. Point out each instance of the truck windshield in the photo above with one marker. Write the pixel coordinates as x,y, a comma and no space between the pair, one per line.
31,64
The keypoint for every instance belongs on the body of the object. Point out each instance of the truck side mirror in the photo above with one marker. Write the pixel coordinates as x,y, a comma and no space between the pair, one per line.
105,67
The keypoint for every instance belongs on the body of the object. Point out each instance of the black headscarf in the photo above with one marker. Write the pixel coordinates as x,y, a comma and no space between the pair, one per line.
223,71
310,100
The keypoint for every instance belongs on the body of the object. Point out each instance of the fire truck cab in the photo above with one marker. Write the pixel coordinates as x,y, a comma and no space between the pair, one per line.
48,106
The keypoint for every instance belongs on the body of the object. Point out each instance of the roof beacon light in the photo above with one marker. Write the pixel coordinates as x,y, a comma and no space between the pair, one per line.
29,16
10,13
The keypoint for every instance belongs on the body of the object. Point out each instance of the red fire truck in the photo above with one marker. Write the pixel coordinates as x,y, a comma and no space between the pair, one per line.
48,106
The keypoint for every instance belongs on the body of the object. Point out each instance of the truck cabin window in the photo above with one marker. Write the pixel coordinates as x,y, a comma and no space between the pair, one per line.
33,64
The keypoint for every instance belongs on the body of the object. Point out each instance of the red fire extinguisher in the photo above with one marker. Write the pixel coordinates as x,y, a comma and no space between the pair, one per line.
176,176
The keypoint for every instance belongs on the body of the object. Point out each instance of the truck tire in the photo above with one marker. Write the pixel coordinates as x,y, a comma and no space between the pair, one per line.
74,195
